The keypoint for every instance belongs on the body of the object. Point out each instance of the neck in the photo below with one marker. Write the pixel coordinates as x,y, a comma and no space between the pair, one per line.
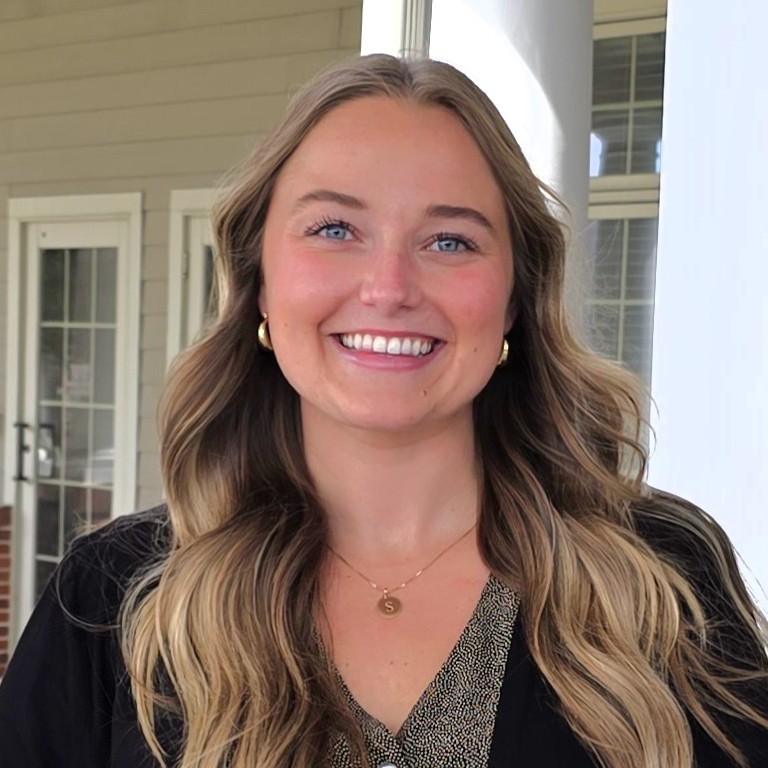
391,497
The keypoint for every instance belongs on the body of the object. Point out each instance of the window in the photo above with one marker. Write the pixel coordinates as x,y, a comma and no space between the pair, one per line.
627,83
620,310
625,158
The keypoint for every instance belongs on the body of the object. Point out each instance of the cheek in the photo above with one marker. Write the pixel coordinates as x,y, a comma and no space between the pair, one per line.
302,288
483,304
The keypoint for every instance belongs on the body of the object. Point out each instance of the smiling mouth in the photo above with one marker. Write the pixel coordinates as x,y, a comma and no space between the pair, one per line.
410,346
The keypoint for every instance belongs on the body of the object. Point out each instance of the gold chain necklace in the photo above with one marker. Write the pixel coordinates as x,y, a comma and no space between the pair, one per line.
391,606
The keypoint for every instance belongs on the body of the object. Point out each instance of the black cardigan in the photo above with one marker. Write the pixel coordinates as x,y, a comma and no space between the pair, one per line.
65,701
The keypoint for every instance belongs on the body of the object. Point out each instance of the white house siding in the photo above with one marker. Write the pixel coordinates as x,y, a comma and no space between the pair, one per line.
101,96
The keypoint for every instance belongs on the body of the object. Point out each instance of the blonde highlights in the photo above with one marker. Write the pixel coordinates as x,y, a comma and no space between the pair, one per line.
220,634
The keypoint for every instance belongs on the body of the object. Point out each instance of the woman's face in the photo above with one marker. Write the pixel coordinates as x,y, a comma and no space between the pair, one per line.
387,268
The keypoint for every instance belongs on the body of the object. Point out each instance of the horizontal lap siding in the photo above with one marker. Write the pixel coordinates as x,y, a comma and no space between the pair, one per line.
102,96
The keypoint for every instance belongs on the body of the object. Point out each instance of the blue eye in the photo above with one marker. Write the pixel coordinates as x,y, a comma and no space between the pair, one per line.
331,230
445,243
336,232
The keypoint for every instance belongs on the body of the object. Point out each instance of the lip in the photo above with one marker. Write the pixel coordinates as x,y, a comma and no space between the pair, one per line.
389,333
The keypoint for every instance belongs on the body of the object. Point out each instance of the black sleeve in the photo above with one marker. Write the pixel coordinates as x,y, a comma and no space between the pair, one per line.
59,695
673,527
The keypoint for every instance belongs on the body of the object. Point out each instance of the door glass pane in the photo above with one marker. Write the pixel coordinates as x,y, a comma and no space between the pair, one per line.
104,365
48,442
75,513
52,282
78,384
101,506
80,285
103,455
75,443
76,390
48,519
106,285
51,363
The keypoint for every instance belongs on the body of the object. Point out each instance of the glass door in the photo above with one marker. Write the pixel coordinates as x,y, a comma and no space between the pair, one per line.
75,404
69,387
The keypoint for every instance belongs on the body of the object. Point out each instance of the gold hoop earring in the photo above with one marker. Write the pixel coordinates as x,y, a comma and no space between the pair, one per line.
263,334
504,354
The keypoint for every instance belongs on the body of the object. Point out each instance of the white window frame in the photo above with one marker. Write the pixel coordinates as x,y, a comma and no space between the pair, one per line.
188,207
80,209
629,28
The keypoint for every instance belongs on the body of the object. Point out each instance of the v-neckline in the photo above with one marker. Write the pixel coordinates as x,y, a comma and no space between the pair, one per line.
366,716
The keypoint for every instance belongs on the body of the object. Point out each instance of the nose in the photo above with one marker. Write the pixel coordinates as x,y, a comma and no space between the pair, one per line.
391,280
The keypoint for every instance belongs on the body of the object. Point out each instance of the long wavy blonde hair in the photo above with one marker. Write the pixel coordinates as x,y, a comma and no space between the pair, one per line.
220,633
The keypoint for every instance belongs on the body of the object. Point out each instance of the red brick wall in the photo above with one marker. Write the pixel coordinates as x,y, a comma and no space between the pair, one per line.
5,584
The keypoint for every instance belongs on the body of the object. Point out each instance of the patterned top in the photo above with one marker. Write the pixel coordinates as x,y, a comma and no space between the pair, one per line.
452,722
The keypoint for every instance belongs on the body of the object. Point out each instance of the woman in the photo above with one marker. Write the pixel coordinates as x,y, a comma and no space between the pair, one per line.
406,523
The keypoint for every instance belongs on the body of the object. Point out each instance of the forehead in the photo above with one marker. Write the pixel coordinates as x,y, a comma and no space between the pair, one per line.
392,143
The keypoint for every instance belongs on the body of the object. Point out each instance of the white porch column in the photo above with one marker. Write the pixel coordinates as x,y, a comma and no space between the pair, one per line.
534,59
710,347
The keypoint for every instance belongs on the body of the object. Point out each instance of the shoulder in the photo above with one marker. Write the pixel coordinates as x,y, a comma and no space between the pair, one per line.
99,566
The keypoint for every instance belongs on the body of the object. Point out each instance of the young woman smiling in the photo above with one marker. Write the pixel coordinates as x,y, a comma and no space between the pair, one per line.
406,520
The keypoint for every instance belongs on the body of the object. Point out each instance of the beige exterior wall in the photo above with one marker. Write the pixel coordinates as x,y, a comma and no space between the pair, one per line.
628,10
100,96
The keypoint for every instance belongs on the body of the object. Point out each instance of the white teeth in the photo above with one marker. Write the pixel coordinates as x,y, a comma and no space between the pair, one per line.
392,345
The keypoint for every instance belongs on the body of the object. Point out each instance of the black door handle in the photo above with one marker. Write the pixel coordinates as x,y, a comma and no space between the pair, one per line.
21,449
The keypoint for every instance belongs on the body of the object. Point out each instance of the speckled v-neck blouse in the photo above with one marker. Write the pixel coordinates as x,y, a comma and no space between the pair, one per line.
66,698
452,722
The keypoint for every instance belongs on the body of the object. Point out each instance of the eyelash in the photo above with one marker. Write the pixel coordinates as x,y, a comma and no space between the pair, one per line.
469,244
325,223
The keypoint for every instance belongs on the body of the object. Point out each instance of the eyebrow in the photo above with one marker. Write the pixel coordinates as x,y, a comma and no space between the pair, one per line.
460,212
434,211
328,196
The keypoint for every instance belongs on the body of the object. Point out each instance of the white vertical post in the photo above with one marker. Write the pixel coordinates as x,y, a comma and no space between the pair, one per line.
398,27
534,59
710,348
